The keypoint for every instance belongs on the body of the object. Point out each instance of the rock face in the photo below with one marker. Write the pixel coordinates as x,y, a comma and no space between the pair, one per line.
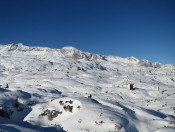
13,47
21,47
132,58
145,63
76,54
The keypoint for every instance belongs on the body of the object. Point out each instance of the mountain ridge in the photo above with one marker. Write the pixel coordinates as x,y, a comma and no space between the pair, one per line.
75,53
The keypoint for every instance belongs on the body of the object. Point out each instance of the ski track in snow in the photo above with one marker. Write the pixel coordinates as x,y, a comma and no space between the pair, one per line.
62,81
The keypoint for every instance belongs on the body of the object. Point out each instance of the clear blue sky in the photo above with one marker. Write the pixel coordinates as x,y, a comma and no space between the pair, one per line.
141,28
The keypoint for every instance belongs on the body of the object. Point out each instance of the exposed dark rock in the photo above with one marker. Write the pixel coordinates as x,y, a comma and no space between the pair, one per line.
51,114
5,113
145,63
68,108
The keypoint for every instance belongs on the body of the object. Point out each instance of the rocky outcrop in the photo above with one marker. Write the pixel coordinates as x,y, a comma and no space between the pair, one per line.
76,54
145,63
51,114
23,48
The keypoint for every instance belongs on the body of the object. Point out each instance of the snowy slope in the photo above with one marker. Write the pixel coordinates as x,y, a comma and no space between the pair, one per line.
71,90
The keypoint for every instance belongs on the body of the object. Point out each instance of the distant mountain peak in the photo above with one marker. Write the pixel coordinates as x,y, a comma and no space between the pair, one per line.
77,54
132,58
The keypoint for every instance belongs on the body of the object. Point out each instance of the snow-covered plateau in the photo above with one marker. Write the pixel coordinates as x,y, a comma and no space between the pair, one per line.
69,90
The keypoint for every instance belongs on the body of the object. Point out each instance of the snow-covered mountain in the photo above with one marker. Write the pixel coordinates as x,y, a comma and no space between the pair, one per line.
43,89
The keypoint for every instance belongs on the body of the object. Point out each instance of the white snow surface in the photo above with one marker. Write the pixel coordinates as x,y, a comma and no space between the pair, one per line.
97,91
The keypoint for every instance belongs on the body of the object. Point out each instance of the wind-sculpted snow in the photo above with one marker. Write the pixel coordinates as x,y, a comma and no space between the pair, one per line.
67,89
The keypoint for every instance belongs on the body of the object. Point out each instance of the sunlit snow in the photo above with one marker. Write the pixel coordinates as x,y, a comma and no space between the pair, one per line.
71,90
